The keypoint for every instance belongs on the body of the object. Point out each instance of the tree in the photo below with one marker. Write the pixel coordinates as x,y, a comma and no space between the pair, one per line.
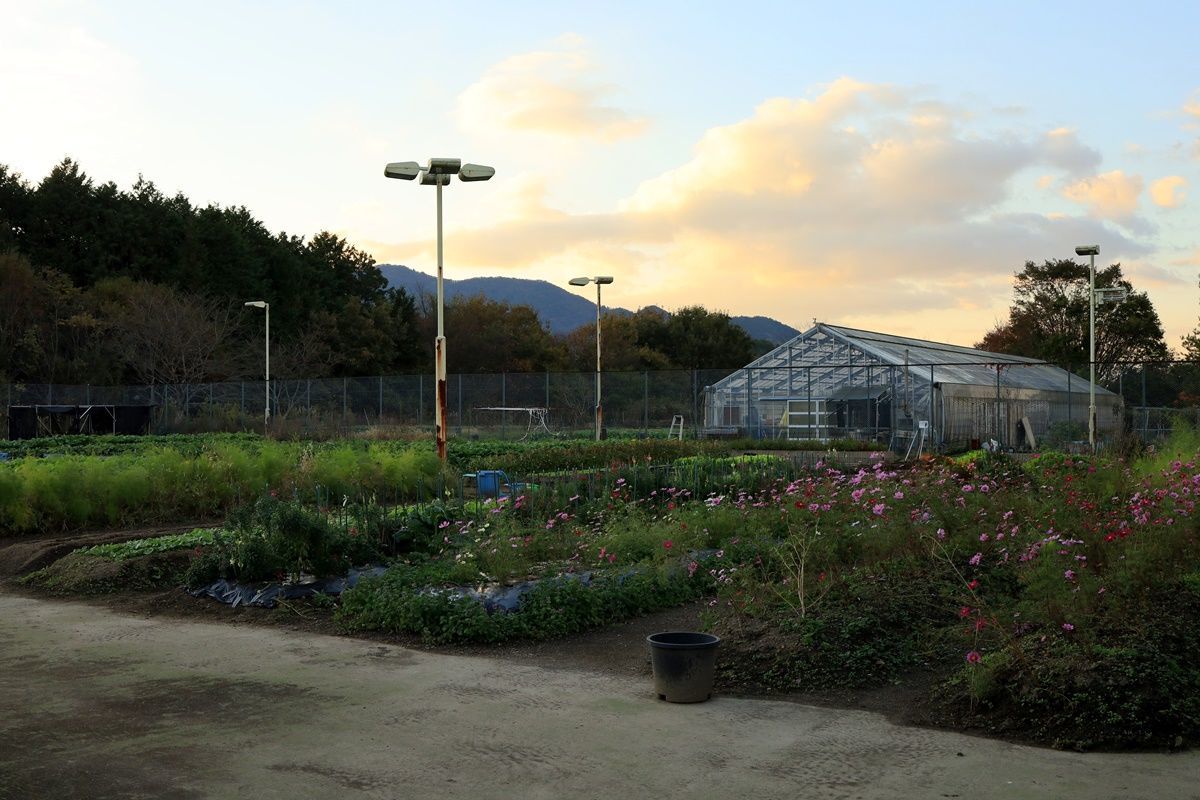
24,319
702,339
1049,320
404,327
620,349
170,337
489,336
16,198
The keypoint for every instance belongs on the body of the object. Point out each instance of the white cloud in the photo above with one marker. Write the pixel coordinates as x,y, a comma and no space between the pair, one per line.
863,203
551,92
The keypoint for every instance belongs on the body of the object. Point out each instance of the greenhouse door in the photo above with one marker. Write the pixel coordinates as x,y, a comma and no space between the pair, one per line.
807,419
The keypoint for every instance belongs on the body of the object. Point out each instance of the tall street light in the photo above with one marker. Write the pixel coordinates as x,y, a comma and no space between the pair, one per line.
599,280
265,306
1091,250
437,172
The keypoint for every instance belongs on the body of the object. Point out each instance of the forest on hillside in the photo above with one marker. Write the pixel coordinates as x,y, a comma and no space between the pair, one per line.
104,285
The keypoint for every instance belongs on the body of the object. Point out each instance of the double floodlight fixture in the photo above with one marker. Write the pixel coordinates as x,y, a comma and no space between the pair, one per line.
599,279
438,171
1087,250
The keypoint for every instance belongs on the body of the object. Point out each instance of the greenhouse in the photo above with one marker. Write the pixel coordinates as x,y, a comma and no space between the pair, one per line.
832,383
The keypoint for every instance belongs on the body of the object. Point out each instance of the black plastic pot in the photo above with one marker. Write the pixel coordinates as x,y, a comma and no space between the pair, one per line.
684,665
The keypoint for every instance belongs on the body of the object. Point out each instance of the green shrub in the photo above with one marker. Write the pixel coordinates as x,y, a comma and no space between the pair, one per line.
273,539
403,601
1104,688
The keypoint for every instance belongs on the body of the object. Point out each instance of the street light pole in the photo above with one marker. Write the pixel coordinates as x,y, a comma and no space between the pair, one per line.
437,172
599,404
439,345
265,306
599,280
1092,251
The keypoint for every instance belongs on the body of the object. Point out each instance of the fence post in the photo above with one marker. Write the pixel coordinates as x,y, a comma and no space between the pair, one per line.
243,405
1070,402
812,417
460,404
344,380
931,400
999,438
1145,408
748,387
87,395
421,399
646,401
547,389
503,404
695,402
308,396
380,399
50,394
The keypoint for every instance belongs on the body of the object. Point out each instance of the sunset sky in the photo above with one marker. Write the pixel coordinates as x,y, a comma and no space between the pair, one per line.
885,166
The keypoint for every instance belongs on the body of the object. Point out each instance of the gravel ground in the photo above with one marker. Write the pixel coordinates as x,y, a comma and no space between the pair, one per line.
95,703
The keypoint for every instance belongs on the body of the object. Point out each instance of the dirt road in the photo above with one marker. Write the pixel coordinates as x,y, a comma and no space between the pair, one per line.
95,704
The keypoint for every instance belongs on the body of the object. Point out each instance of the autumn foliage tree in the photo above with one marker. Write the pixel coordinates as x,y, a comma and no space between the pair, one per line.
1049,320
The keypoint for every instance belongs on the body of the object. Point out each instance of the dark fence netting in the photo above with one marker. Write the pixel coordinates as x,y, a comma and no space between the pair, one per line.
1004,402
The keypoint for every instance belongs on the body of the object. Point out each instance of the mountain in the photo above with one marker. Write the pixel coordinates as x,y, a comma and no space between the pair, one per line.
560,310
772,330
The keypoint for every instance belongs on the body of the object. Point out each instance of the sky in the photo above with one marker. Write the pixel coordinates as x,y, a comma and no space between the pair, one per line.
887,166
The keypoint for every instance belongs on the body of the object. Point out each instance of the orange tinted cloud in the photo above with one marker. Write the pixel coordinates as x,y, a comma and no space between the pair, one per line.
1168,192
863,203
1112,195
552,92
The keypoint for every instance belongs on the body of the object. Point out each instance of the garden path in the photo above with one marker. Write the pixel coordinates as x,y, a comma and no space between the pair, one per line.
97,704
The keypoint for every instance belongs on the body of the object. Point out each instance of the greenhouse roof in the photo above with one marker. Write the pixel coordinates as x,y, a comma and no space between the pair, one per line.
832,345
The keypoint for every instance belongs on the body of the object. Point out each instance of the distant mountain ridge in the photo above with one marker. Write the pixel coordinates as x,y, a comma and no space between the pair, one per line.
560,310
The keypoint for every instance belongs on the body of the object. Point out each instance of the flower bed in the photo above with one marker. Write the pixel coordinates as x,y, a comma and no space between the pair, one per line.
1055,599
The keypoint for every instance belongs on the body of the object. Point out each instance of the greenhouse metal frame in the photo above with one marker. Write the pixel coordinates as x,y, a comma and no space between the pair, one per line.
833,382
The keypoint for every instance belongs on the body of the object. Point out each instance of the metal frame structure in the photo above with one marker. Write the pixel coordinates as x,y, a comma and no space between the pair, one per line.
834,382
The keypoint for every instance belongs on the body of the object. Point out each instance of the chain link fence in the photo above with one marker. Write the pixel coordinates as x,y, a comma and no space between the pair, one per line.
507,405
874,401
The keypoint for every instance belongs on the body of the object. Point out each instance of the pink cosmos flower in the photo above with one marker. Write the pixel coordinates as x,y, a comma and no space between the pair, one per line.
975,559
973,657
1068,627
